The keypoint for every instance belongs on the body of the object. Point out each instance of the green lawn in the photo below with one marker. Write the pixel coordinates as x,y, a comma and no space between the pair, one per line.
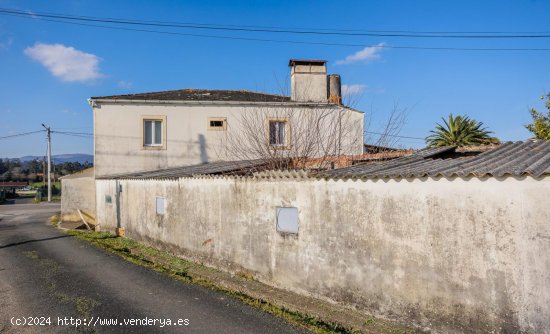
39,184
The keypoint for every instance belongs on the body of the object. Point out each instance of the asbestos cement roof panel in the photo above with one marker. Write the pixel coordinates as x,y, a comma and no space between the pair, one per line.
213,168
512,158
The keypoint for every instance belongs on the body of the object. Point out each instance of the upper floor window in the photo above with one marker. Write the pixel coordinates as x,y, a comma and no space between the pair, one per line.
278,132
217,123
152,132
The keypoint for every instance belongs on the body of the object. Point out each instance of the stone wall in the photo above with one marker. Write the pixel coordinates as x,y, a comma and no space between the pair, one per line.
451,255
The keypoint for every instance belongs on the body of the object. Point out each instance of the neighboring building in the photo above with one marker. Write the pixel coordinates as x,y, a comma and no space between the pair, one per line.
159,130
78,193
368,148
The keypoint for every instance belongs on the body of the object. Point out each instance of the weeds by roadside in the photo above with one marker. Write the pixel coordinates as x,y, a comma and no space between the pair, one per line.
55,219
184,270
178,268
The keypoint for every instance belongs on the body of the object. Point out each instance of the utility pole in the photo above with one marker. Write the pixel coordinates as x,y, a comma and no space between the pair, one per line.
49,162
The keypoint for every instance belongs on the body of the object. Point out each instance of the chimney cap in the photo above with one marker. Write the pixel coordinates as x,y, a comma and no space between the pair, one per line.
293,62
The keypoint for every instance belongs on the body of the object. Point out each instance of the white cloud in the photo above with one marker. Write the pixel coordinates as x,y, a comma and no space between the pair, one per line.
65,62
125,84
353,89
366,55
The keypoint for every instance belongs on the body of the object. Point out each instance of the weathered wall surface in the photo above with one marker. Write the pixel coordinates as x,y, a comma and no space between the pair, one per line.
118,132
78,192
462,255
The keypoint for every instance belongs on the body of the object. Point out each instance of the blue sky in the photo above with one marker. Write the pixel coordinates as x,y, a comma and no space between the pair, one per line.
49,69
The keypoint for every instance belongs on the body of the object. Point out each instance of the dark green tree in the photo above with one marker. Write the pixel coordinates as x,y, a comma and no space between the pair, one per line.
460,131
3,167
541,122
34,166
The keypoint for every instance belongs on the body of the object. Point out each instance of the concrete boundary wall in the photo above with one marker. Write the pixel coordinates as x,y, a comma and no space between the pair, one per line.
450,255
78,193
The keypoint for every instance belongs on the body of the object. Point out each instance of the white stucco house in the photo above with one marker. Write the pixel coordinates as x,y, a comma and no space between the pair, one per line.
148,131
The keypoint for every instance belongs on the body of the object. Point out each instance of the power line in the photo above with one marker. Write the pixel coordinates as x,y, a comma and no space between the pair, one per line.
77,128
22,134
297,28
250,39
79,136
75,134
263,29
385,134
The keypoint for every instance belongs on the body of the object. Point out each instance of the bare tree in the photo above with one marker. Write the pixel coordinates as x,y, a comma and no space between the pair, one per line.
293,135
388,134
288,136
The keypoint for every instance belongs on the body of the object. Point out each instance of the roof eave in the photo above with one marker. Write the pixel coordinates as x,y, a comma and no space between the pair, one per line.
194,102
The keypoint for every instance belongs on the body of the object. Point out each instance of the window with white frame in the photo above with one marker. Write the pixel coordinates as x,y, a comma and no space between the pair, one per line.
278,132
152,132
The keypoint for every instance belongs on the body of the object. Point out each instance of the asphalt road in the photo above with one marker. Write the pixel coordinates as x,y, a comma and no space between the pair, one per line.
47,276
19,200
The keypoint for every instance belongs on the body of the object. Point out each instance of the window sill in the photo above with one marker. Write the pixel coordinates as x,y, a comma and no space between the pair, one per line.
153,148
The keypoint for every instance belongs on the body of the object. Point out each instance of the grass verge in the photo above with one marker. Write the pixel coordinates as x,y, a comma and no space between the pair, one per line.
55,219
178,268
293,309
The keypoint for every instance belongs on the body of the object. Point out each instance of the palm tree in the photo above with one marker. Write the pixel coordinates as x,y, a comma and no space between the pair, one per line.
460,131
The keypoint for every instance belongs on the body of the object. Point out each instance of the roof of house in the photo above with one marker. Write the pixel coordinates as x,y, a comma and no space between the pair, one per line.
531,157
369,148
12,184
212,168
200,95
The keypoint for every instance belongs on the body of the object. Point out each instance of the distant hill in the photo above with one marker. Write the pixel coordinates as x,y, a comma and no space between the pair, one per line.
60,158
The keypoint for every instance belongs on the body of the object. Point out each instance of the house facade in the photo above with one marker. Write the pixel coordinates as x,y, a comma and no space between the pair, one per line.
160,130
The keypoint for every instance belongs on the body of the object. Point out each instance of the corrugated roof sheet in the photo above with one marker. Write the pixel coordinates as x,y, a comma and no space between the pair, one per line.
512,158
200,95
213,168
